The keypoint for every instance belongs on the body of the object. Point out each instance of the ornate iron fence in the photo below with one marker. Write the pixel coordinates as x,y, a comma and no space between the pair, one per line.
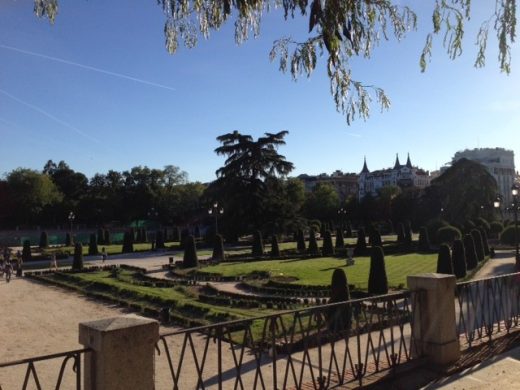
13,372
488,307
319,347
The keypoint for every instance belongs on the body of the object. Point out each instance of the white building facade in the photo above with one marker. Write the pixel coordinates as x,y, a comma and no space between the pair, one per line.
499,162
402,176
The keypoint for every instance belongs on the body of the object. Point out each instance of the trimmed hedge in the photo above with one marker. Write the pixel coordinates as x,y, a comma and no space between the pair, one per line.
459,259
257,249
448,234
190,258
508,235
275,249
444,262
313,245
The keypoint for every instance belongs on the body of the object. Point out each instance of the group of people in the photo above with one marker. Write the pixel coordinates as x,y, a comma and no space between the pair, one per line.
10,263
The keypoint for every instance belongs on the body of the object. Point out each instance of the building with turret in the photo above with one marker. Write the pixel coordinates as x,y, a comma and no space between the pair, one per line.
402,176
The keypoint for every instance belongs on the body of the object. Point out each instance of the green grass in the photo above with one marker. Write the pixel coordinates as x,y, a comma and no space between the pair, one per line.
318,271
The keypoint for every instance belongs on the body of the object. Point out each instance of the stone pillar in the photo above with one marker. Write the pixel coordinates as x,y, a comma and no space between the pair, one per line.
123,353
434,326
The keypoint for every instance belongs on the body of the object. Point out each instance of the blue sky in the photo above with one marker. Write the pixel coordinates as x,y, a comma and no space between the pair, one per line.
180,103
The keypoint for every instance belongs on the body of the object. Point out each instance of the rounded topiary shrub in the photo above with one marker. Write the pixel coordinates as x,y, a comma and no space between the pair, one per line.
483,223
218,248
128,242
377,280
190,259
68,239
444,262
448,234
459,259
26,251
44,240
313,245
77,262
479,245
300,241
159,239
275,249
433,226
361,243
258,244
495,228
508,235
471,254
340,242
327,248
424,239
339,317
92,245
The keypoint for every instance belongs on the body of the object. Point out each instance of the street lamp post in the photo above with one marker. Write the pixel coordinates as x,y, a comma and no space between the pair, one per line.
71,219
514,192
215,210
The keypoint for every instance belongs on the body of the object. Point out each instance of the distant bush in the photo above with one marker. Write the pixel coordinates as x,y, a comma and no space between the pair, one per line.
313,245
377,279
424,239
448,234
459,259
507,236
444,262
77,263
190,258
44,240
408,233
258,244
92,245
327,247
471,254
433,226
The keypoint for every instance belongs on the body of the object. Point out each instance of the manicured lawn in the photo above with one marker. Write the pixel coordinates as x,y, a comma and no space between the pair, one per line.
319,271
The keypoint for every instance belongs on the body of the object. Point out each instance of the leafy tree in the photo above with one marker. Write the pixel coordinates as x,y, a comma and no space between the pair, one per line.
327,248
313,245
459,259
479,245
300,244
444,262
377,280
258,244
190,259
322,202
471,254
77,263
218,248
340,242
424,239
44,240
275,249
93,245
339,317
26,251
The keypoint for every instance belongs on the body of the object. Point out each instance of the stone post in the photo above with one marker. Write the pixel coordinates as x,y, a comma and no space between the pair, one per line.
123,353
434,327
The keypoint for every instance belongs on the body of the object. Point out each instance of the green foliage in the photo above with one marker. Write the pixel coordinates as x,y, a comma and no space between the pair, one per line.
300,241
26,251
479,245
92,245
433,227
77,263
190,259
377,280
44,240
327,248
218,248
159,239
495,228
459,259
444,262
321,203
448,234
340,242
508,235
424,239
258,244
128,242
471,253
483,223
275,249
313,245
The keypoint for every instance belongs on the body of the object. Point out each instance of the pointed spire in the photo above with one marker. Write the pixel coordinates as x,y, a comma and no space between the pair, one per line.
408,162
365,168
397,164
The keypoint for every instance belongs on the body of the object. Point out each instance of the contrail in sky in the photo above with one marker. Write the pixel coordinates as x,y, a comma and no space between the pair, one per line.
50,116
87,67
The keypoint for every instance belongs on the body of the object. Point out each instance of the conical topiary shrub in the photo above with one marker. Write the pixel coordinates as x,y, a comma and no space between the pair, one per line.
479,245
218,249
44,240
159,239
184,234
400,233
68,239
471,254
444,262
339,317
377,280
327,248
26,251
459,259
349,230
77,262
128,242
92,245
257,249
424,239
190,258
313,245
106,237
375,238
340,242
100,236
485,242
275,249
361,244
408,233
300,241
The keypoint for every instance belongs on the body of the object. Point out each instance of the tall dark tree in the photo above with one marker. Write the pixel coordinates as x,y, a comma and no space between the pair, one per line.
444,261
485,242
375,238
106,237
377,280
459,259
68,239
